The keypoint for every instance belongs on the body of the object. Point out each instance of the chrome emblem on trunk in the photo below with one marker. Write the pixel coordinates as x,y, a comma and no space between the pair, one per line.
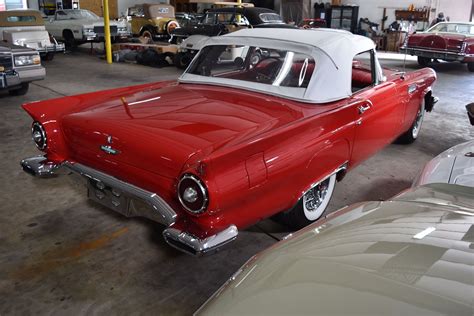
108,148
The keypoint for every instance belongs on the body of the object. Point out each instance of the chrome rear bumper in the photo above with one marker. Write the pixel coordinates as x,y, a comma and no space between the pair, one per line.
158,211
441,54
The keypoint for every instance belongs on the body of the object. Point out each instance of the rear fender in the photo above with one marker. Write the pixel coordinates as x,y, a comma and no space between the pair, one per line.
50,112
42,111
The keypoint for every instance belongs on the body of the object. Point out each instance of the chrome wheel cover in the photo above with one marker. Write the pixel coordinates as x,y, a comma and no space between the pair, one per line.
316,199
418,120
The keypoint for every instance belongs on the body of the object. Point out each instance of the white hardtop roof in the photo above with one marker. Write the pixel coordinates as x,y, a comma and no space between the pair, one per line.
332,42
333,50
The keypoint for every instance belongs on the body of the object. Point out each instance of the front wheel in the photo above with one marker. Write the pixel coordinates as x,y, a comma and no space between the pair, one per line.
412,134
311,205
148,33
423,61
470,66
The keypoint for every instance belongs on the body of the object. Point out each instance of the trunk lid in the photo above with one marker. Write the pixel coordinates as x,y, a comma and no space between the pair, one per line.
437,41
159,130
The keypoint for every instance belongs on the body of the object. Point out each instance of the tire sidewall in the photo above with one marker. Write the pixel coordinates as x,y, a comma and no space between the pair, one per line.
312,216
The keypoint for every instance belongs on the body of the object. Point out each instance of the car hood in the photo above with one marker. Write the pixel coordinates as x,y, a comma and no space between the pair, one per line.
368,259
160,129
455,166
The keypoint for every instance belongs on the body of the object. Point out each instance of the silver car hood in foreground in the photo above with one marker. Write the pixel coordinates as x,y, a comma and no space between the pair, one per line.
455,165
412,255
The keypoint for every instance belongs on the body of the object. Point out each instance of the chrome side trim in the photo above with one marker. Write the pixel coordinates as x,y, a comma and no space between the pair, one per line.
40,166
167,214
190,244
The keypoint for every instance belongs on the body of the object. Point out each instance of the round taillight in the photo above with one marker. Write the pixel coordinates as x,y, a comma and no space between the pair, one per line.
39,135
192,194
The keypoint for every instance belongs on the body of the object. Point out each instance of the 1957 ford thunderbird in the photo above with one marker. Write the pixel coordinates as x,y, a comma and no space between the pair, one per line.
234,140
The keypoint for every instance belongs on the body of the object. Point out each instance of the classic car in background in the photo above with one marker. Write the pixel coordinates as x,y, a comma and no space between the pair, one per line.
18,67
187,19
410,255
221,21
153,20
447,41
26,28
315,105
75,27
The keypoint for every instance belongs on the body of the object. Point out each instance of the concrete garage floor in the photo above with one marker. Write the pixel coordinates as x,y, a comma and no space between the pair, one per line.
61,254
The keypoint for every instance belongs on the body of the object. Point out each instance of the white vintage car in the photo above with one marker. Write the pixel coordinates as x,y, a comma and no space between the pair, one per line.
79,26
26,28
454,165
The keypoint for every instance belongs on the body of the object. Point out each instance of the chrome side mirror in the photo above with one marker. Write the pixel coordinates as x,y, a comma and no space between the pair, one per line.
470,112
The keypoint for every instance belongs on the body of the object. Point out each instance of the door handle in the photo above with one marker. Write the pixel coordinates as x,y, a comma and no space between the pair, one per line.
363,108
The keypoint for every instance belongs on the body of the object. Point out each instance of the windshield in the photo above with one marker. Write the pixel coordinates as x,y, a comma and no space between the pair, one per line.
461,28
77,15
273,67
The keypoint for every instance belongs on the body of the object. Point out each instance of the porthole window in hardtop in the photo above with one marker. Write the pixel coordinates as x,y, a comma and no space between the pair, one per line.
270,66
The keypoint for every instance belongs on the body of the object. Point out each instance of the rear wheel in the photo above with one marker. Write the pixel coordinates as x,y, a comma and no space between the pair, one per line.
423,61
412,134
20,91
311,206
470,67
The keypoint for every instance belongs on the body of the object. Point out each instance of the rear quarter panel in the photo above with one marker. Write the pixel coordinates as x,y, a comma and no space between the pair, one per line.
266,175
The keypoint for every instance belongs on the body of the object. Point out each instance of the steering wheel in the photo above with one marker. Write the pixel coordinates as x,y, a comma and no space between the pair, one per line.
266,69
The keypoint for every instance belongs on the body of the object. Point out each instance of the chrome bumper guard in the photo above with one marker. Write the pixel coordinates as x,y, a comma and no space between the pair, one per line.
40,167
190,244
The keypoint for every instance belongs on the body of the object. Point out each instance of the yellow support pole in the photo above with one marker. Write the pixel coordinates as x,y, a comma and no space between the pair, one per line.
108,44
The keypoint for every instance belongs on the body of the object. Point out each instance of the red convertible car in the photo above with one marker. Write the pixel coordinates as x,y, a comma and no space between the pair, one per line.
446,40
234,140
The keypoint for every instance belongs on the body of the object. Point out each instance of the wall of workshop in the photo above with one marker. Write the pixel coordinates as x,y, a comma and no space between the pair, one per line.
457,10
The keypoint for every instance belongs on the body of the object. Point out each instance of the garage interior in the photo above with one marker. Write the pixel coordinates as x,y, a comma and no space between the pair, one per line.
61,253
